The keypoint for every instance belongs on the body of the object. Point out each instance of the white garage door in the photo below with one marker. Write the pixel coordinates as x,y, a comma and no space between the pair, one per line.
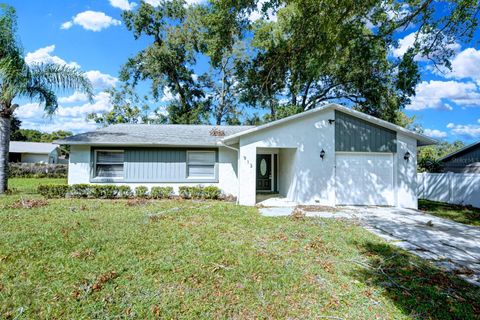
364,179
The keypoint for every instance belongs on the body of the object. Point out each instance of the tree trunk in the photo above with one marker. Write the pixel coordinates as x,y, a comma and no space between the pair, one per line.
4,147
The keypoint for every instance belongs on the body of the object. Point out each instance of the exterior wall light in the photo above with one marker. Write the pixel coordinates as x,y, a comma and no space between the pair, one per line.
322,154
406,157
330,121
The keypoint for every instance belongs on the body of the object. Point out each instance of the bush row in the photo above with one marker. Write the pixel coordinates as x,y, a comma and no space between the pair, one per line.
199,192
37,170
125,192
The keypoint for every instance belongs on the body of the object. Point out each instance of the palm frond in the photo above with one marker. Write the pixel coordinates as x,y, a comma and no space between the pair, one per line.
43,94
13,76
60,78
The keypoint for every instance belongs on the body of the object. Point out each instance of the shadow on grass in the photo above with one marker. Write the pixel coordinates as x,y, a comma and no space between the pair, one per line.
463,214
417,287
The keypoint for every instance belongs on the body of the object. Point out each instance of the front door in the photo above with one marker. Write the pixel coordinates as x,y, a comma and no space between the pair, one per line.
264,172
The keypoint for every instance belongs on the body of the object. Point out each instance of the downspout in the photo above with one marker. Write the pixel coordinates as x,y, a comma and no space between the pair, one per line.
238,168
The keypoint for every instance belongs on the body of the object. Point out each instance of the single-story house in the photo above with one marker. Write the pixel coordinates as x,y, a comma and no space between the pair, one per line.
33,152
331,155
465,160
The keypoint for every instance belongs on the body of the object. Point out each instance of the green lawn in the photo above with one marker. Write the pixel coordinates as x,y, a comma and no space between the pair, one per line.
462,214
75,258
29,185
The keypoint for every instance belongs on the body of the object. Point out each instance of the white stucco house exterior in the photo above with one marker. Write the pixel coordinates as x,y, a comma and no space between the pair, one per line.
331,155
33,152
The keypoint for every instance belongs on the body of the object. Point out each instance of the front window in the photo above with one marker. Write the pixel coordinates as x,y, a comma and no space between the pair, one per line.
109,163
201,164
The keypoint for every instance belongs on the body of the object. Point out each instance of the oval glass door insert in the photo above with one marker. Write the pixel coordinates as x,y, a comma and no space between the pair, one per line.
263,167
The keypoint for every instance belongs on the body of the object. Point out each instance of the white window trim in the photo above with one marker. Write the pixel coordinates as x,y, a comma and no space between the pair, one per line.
214,164
95,162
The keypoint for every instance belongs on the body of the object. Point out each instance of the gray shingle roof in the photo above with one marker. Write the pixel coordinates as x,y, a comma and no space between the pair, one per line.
31,147
152,134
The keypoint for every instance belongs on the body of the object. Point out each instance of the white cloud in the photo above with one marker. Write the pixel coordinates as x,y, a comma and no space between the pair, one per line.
403,45
91,20
465,130
465,65
440,94
66,25
158,2
66,118
153,2
258,14
101,103
168,95
43,55
75,97
434,133
75,125
122,4
408,42
32,111
101,80
29,111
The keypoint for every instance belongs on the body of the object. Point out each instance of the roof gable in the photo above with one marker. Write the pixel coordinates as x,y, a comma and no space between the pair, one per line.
421,139
462,150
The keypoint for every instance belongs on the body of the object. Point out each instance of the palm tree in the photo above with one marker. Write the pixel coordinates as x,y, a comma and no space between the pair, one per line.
37,82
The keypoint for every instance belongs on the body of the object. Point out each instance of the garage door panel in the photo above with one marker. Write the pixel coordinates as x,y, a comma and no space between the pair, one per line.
364,179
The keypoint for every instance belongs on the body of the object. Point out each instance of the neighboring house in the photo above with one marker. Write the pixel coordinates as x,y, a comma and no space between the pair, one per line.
331,155
33,152
465,160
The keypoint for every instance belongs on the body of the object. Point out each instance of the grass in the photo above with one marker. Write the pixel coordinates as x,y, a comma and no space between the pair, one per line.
75,258
29,185
463,214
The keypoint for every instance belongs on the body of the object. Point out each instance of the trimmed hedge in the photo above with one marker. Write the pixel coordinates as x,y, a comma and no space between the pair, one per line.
161,192
80,190
199,192
37,170
53,191
124,192
108,191
212,192
141,192
104,191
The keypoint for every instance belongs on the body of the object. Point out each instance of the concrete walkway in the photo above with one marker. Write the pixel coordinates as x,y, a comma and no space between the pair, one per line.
450,245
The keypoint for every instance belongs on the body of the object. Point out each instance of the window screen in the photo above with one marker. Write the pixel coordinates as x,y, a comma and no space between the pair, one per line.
109,164
201,164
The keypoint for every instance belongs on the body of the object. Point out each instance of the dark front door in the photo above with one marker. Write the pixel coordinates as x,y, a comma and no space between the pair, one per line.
264,172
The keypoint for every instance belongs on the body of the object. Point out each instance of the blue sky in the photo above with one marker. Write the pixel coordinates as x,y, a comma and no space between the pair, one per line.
90,34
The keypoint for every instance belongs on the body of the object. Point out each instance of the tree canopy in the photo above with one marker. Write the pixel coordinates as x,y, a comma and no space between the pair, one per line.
127,107
303,53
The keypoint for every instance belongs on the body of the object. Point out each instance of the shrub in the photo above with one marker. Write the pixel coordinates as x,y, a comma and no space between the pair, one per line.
211,192
53,190
196,192
161,192
124,192
184,192
141,192
37,170
104,191
80,191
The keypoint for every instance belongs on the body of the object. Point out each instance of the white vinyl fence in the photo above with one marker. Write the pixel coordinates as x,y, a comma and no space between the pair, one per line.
456,188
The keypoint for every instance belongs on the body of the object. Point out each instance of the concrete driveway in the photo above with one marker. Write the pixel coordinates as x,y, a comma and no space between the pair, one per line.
450,245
